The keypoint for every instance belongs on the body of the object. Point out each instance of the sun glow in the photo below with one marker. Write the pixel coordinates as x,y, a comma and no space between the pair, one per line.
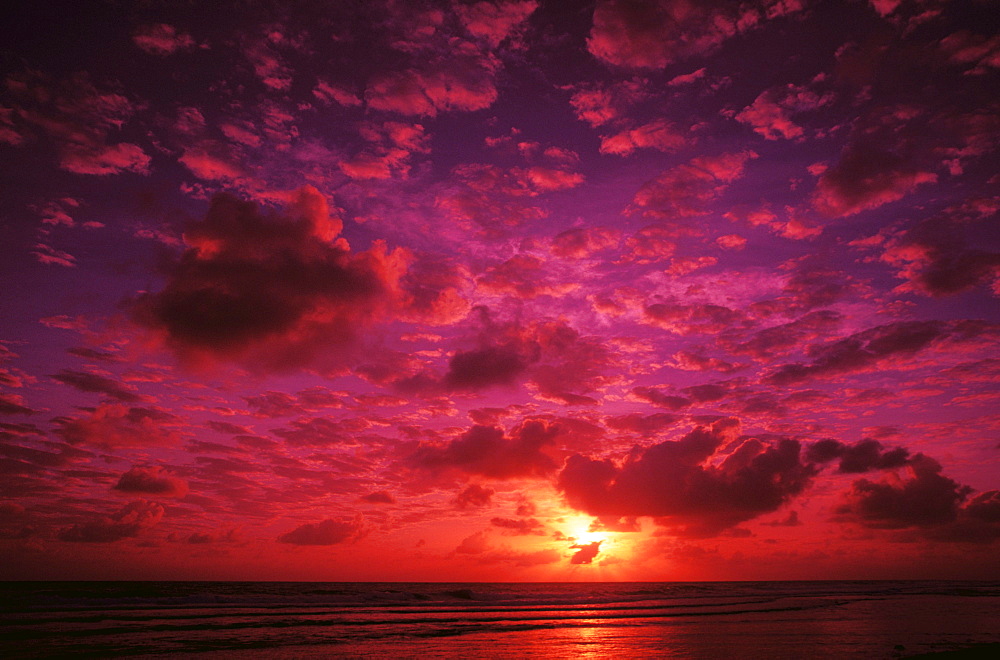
579,530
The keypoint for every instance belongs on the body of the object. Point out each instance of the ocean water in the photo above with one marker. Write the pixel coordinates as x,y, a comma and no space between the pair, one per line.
264,620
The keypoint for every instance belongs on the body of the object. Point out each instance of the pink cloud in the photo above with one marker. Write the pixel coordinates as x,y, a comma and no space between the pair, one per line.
522,276
162,39
46,254
687,78
270,67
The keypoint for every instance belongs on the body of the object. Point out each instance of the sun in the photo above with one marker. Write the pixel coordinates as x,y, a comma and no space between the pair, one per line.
578,528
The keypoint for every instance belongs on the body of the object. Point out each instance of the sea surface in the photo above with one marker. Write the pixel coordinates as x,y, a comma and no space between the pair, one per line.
263,620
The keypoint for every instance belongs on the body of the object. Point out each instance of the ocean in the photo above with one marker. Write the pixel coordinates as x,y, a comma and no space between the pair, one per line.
263,620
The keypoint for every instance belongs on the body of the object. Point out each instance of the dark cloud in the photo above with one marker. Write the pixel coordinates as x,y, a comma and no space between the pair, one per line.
270,292
658,398
787,337
877,167
13,404
585,553
864,350
935,259
488,451
378,497
128,522
91,382
926,499
322,431
227,427
328,532
80,118
474,495
639,423
485,367
152,480
675,482
518,526
91,354
863,456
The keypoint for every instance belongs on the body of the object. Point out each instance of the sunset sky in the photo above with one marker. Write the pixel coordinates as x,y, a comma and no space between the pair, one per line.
499,290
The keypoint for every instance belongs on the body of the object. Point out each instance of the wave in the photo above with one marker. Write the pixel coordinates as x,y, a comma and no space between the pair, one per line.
111,619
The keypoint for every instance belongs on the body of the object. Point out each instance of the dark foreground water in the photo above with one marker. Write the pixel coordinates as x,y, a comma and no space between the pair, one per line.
263,620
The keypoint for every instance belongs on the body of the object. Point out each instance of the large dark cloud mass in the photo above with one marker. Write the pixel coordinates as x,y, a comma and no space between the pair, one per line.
675,482
272,292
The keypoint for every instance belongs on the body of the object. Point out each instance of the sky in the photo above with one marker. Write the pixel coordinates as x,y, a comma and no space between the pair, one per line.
499,290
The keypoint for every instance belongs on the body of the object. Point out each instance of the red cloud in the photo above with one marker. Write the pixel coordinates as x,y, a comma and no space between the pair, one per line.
686,190
659,134
114,425
493,22
328,532
583,242
691,319
654,33
599,105
770,113
522,276
462,81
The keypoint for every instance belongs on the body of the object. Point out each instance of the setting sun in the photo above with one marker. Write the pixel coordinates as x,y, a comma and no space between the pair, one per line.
579,530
